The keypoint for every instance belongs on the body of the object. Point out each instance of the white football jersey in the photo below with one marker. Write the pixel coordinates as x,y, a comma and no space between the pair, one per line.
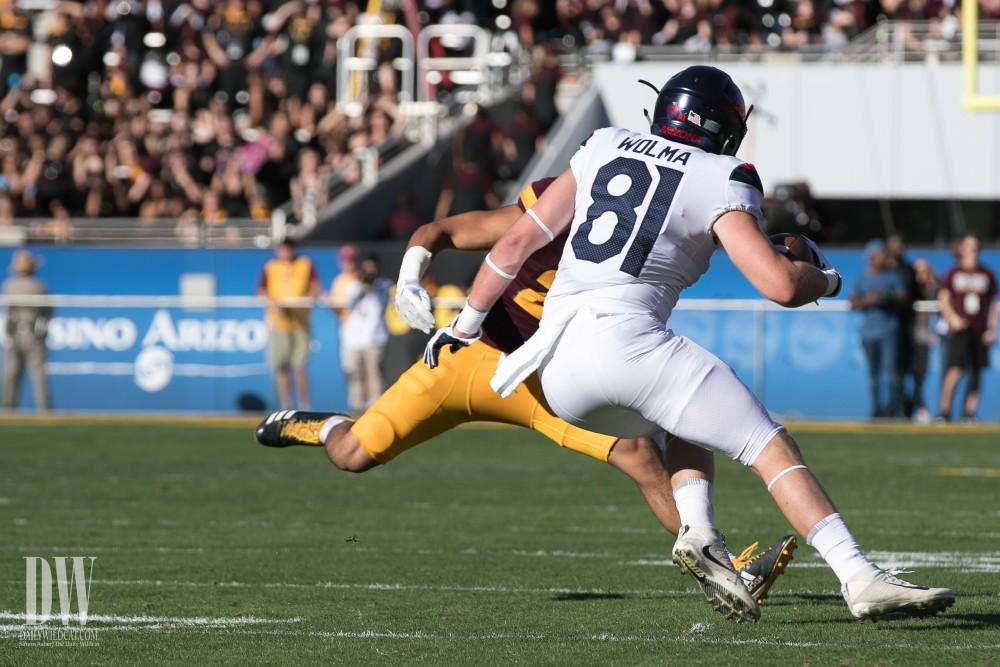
642,230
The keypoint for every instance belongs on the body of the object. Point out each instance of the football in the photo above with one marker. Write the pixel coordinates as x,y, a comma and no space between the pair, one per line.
793,247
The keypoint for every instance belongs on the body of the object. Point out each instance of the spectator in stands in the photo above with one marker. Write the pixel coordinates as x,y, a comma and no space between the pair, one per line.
479,141
469,188
234,188
525,15
877,293
540,92
523,138
896,261
278,167
15,40
288,276
25,330
923,336
212,212
968,300
404,219
87,168
307,193
6,209
805,27
365,335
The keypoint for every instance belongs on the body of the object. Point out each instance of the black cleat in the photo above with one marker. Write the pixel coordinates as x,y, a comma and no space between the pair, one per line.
288,428
760,571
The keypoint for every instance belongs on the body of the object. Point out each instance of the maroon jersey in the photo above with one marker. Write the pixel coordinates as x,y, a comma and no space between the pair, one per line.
514,318
972,293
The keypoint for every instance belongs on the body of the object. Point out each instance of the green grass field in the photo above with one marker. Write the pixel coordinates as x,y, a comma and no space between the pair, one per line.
485,546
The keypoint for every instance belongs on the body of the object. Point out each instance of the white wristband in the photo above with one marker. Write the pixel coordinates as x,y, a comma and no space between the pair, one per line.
414,264
469,320
832,281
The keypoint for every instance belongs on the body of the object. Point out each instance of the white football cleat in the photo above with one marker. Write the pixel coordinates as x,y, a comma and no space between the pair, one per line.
703,555
880,594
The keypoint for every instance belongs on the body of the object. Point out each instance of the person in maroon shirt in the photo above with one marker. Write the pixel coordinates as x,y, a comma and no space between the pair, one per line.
968,300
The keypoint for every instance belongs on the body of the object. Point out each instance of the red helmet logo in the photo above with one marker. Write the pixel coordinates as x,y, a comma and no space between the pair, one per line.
674,113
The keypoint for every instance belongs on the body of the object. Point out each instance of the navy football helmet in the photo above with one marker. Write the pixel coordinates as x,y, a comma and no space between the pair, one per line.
701,106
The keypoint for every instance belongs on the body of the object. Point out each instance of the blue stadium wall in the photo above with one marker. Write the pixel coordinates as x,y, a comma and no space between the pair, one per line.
174,359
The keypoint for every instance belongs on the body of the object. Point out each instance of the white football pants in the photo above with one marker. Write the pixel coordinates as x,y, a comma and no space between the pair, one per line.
624,375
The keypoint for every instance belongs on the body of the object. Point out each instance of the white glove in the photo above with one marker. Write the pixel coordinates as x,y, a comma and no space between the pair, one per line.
445,337
413,304
833,279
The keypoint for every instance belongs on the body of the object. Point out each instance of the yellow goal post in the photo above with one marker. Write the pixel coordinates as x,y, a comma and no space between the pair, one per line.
973,100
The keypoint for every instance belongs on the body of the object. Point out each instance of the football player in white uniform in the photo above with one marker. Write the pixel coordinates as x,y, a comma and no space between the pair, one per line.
645,212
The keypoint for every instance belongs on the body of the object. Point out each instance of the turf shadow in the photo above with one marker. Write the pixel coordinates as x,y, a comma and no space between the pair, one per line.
968,621
583,597
935,623
848,620
787,598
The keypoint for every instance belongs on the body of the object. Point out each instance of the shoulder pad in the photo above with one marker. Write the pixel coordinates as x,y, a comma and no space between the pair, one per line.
746,173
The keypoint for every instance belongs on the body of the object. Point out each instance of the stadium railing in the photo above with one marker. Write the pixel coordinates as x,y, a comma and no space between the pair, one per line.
236,232
495,66
353,71
886,41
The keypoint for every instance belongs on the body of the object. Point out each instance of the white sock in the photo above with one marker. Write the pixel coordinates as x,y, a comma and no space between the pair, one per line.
328,426
834,542
694,503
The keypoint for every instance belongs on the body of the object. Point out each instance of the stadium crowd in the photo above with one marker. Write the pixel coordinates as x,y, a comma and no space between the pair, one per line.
204,112
195,111
617,27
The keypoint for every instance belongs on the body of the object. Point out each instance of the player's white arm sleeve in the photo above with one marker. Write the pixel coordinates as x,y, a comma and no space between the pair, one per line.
551,214
413,303
744,192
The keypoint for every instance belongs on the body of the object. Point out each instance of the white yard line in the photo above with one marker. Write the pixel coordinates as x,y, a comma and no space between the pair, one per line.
958,561
335,585
691,638
127,623
147,620
601,637
524,553
559,553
